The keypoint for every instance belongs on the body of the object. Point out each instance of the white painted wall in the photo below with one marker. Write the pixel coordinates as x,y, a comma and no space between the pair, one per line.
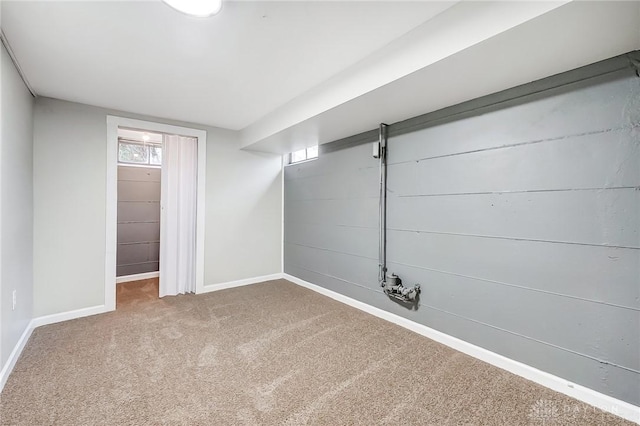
243,212
16,204
243,203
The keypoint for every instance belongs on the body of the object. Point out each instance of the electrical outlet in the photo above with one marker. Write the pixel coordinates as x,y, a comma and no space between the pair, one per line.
14,300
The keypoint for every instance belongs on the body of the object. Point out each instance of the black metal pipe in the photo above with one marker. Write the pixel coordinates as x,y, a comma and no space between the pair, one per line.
382,248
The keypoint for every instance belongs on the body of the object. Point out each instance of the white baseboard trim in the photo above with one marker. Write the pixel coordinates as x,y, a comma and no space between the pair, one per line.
581,393
137,277
66,316
14,355
37,322
94,310
239,283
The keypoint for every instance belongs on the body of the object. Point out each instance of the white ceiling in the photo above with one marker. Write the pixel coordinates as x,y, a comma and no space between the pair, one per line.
297,73
227,71
471,50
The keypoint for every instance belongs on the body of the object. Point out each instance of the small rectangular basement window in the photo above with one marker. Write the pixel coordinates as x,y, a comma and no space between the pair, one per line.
132,152
303,155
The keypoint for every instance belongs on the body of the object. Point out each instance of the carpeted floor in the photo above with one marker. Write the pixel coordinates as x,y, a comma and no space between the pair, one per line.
266,354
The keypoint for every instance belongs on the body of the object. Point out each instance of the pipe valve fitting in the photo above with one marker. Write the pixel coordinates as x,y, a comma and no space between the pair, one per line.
393,287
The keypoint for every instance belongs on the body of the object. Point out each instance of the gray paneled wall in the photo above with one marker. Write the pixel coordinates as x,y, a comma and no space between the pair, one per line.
521,222
138,220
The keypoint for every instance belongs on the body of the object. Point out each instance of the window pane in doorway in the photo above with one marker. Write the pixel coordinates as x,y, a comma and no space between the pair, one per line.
155,155
133,153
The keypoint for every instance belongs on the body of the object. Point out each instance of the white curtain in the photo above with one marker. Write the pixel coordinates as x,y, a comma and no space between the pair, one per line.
178,215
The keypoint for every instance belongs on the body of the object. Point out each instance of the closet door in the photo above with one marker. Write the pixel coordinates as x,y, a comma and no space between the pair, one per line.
178,216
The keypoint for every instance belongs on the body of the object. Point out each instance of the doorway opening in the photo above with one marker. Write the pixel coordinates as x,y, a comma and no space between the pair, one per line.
138,216
155,210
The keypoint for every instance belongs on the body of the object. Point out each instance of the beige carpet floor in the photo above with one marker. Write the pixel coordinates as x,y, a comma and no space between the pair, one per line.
266,354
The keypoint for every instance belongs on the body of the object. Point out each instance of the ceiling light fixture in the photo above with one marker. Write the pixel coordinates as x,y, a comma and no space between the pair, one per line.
197,8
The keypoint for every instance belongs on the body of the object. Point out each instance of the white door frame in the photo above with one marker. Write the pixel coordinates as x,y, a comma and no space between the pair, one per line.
113,122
